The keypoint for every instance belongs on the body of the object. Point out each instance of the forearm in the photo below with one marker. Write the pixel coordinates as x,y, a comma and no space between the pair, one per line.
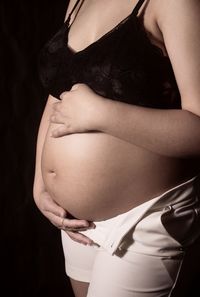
44,124
174,133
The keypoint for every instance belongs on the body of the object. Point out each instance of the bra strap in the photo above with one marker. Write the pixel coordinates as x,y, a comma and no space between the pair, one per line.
137,7
71,12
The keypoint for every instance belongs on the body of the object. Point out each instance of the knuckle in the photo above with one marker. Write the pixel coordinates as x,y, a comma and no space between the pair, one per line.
63,95
62,214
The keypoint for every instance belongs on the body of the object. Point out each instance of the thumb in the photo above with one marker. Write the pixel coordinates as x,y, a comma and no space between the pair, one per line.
60,131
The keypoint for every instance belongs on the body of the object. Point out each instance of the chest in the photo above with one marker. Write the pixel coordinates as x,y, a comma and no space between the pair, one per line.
97,18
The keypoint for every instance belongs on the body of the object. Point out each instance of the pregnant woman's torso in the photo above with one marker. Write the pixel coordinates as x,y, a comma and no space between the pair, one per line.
96,176
93,175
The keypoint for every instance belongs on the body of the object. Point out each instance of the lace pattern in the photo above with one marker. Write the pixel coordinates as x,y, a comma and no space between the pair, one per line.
122,65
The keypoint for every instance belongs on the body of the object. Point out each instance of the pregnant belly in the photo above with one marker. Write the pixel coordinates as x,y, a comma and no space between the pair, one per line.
95,176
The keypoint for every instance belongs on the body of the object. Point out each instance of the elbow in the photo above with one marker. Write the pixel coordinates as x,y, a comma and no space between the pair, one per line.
187,136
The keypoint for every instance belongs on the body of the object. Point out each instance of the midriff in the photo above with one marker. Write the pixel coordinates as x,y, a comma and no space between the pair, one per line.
95,176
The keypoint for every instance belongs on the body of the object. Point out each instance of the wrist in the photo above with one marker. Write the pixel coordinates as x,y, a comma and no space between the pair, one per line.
102,114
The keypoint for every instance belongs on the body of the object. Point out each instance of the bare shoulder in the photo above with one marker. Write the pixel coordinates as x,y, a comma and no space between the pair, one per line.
179,23
70,7
174,11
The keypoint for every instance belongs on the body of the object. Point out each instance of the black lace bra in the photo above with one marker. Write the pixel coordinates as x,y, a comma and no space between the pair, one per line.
122,65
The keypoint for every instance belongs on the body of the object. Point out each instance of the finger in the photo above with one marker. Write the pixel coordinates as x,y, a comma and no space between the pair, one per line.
75,87
63,95
76,225
74,229
60,131
57,118
80,238
68,224
52,222
55,220
52,207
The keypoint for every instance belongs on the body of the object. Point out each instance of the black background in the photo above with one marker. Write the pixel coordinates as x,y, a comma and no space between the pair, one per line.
32,262
31,253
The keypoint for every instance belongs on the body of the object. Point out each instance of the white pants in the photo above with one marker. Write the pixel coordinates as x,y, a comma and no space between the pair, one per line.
148,259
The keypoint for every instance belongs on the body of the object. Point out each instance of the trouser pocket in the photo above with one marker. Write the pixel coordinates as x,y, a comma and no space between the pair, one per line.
182,221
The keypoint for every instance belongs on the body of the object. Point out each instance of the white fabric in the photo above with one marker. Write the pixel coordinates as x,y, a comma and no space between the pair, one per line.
138,253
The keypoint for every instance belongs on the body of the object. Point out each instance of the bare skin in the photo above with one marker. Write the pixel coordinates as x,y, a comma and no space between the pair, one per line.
136,148
79,288
82,180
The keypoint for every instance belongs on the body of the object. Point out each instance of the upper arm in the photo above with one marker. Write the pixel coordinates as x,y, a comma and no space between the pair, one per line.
179,22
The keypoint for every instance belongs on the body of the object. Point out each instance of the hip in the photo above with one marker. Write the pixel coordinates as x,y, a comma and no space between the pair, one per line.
165,225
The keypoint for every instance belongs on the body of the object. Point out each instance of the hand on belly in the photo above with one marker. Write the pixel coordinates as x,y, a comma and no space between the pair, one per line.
95,176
